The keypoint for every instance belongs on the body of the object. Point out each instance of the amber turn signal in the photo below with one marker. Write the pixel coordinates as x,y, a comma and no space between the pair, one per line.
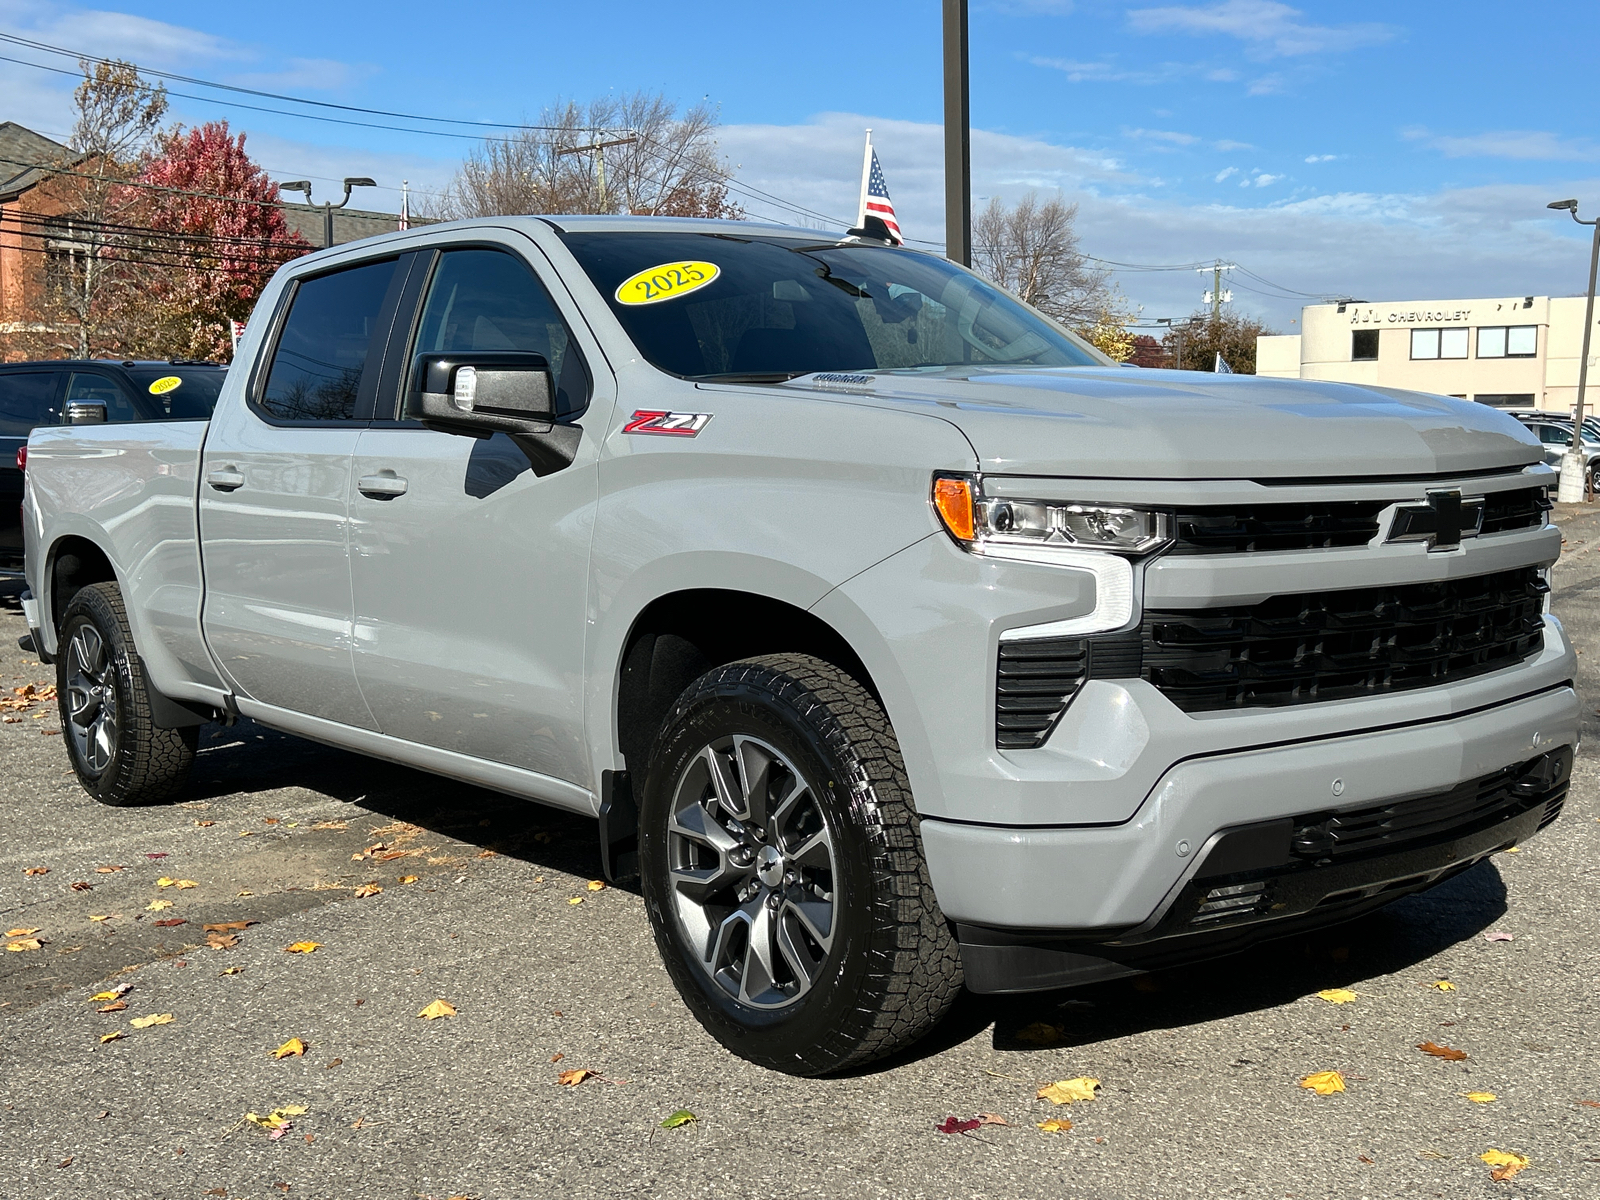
952,497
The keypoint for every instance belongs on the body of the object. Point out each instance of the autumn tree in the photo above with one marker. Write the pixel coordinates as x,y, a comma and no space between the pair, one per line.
213,220
1032,249
673,168
1231,334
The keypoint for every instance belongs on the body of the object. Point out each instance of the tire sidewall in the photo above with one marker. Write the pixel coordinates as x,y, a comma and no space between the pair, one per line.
784,1038
90,607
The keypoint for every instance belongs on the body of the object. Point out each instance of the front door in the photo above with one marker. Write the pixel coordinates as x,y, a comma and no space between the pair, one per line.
469,570
274,497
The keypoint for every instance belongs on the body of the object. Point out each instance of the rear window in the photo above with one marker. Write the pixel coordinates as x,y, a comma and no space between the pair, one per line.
179,393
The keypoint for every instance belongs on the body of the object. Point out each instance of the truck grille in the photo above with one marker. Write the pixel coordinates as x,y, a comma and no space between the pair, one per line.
1296,649
1035,679
1262,528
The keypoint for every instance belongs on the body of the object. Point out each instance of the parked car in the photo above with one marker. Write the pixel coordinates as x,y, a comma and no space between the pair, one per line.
1556,438
87,391
898,639
1591,423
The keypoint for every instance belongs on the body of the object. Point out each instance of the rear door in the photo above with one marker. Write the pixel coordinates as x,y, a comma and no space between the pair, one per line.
274,489
469,568
28,398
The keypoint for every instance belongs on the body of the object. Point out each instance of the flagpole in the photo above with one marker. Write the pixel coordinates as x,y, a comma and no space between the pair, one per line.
866,172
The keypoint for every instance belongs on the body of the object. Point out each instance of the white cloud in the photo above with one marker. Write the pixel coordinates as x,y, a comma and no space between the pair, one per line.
1162,135
1321,158
1530,145
1265,180
1270,29
1226,173
1103,71
1225,145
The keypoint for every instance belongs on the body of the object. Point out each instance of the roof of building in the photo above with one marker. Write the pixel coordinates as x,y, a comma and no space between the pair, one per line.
349,224
22,151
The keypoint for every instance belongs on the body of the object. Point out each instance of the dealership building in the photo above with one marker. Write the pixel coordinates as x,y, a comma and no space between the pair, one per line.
1510,351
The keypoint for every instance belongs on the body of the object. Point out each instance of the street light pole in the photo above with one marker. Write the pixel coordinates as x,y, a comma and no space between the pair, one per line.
304,185
957,136
1573,481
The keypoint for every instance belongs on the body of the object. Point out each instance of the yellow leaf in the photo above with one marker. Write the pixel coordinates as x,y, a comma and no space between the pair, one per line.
165,881
291,1110
1324,1083
152,1019
1055,1126
230,971
597,885
1481,1097
367,889
573,1078
1505,1163
184,884
408,879
302,948
1442,985
1337,995
100,996
112,1036
439,1008
1065,1091
20,932
576,900
157,905
22,944
292,1046
105,917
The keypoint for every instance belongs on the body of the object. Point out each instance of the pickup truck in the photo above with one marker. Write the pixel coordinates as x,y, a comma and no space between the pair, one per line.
898,640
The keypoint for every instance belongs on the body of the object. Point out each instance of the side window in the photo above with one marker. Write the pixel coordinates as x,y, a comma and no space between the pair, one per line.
316,368
491,300
27,399
100,389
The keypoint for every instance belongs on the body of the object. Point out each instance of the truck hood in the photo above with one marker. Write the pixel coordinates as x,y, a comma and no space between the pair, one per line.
1152,424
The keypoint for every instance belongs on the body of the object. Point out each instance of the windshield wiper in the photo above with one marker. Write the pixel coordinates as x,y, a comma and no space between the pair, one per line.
750,376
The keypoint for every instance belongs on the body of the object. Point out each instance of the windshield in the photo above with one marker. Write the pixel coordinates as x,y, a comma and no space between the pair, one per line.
710,305
181,392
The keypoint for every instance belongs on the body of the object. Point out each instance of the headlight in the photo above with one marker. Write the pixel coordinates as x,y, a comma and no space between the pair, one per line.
1043,530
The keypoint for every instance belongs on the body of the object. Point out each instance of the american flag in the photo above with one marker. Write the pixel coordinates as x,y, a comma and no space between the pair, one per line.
877,202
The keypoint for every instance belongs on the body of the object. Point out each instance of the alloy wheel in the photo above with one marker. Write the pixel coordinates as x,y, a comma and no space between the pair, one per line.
92,699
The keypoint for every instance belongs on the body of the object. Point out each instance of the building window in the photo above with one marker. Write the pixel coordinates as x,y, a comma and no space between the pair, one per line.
1364,345
1438,343
1453,343
1508,341
1506,399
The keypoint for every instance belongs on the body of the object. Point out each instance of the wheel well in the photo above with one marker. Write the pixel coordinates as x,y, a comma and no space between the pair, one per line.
680,637
75,563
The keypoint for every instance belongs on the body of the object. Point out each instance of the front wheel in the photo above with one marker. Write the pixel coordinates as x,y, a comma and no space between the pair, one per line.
121,757
783,871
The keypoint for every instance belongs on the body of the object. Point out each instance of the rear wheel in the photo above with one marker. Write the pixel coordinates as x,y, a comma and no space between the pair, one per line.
119,754
783,871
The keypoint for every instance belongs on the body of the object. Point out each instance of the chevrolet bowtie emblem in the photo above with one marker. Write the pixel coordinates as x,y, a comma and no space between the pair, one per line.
1442,522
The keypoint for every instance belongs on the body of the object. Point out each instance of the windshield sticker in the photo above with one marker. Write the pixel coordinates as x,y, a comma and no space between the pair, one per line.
165,384
666,282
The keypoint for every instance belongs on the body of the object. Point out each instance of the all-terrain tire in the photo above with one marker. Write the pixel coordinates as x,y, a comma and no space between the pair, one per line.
893,968
119,754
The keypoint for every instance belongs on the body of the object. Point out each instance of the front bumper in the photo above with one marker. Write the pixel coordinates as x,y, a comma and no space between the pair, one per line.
1117,883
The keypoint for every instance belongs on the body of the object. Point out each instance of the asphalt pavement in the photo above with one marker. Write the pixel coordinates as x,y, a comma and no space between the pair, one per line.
486,903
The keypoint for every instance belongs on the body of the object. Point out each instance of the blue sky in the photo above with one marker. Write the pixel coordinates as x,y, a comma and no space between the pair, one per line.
1386,152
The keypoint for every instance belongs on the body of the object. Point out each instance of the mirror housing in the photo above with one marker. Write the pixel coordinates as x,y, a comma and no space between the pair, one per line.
483,392
86,412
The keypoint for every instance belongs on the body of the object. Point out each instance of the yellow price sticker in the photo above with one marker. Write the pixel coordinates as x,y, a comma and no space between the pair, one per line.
165,384
666,282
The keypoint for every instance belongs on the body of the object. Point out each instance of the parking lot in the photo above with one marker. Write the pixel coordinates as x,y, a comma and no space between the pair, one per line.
416,889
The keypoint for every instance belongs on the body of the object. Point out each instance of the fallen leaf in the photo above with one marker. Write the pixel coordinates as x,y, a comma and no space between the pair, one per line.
230,971
1324,1083
112,1036
597,885
1055,1125
1505,1163
393,854
682,1117
1442,985
22,944
216,1191
576,900
222,941
302,948
328,1066
1337,995
184,885
276,1122
558,1056
19,932
205,824
956,1125
330,825
165,881
439,1008
36,870
226,926
1439,1051
82,886
156,855
114,1006
108,870
152,1019
1498,935
992,1119
1066,1091
157,905
271,820
1481,1097
1590,1103
1040,1034
573,1078
407,879
492,854
367,889
294,1046
101,916
1365,1159
113,993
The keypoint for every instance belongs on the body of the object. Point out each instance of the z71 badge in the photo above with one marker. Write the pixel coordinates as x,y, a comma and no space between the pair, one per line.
670,423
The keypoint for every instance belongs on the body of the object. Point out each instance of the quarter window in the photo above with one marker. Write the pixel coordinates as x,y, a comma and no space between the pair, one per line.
1508,341
332,324
25,401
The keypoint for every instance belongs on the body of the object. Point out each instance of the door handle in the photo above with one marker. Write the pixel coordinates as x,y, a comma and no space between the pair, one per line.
385,485
226,479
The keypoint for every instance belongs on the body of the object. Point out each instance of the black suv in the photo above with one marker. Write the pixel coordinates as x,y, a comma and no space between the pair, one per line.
88,391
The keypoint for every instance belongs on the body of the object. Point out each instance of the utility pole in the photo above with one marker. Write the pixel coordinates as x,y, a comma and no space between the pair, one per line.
957,136
1574,482
1216,297
599,149
304,185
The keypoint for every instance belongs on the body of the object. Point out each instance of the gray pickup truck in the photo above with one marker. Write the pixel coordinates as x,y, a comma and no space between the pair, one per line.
898,640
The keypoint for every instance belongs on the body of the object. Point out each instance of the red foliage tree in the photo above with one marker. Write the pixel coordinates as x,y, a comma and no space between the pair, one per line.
218,233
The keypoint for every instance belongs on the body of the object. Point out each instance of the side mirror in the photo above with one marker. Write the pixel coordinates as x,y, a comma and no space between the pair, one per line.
481,393
86,412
